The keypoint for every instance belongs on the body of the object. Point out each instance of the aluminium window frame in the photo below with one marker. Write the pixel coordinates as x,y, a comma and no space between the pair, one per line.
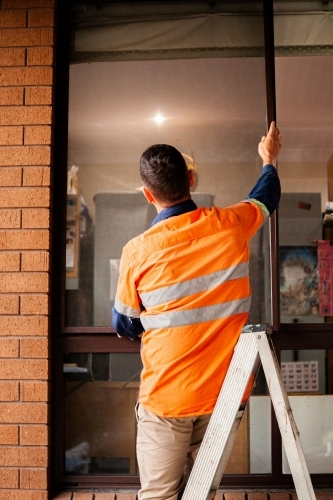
103,339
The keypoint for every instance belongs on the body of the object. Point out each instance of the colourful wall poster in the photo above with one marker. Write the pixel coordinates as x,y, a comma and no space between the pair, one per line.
325,265
299,280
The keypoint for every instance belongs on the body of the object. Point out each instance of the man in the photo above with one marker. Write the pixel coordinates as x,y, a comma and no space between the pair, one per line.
184,288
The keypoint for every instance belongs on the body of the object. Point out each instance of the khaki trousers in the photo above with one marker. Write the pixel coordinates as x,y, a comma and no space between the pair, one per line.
164,450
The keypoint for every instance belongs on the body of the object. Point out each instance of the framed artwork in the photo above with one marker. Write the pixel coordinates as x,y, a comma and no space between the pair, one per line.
72,235
299,291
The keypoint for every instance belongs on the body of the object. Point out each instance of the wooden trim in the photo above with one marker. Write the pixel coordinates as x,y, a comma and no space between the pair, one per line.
62,34
99,344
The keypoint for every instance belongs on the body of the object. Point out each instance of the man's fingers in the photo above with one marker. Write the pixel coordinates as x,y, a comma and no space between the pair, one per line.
272,129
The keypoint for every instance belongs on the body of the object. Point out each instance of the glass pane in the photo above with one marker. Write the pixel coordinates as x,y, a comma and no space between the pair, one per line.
210,105
311,416
307,376
101,391
304,114
204,95
260,435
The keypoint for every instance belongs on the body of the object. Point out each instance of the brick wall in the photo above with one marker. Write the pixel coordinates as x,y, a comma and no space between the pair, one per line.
26,76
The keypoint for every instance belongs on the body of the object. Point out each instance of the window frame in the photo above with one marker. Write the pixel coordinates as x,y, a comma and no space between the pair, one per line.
104,339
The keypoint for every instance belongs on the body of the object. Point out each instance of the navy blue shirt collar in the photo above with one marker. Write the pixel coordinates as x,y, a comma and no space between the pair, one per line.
181,208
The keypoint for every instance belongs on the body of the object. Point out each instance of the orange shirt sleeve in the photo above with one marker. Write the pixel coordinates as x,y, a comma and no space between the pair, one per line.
250,215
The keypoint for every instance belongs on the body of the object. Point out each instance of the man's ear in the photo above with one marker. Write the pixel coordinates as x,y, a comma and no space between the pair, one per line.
191,176
148,195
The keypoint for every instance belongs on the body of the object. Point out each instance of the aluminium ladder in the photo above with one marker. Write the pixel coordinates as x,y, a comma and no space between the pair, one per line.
253,347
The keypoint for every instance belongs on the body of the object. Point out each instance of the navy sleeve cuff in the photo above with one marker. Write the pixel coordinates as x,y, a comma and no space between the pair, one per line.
125,326
267,189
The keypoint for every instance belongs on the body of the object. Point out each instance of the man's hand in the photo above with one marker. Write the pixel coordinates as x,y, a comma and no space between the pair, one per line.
270,146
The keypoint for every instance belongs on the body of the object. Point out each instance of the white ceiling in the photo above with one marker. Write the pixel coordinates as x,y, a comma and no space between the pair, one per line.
216,106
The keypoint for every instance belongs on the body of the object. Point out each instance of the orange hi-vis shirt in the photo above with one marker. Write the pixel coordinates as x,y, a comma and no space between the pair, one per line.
187,279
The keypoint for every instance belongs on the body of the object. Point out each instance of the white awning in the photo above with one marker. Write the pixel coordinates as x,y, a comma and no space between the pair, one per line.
171,31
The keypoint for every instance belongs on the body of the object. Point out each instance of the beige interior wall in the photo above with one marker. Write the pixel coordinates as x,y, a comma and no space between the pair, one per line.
227,182
305,177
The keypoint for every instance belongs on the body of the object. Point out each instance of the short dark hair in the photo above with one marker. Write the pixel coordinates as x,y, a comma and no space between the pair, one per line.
164,172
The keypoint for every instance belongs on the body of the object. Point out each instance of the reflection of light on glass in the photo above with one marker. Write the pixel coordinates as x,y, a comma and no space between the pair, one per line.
158,118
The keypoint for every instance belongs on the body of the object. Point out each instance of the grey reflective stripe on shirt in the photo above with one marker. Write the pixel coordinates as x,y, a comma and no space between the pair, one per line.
192,286
193,316
262,207
126,310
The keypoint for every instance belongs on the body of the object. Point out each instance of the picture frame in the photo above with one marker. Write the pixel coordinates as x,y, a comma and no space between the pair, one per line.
72,235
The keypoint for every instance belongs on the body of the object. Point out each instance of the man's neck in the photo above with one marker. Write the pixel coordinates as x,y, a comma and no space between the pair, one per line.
162,206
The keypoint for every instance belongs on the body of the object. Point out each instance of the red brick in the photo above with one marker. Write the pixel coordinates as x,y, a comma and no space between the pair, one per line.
29,456
11,136
25,76
105,496
34,391
9,348
9,304
33,218
25,155
34,304
17,326
10,176
24,4
323,495
26,115
12,57
37,135
23,369
33,479
65,495
256,495
10,219
23,495
9,434
24,282
27,37
234,496
9,478
11,96
34,435
39,56
34,348
281,495
9,391
38,95
9,261
37,176
35,261
83,496
41,17
24,240
23,413
12,18
26,197
125,496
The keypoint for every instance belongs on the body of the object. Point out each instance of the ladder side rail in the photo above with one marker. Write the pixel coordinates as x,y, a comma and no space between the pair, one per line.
226,453
221,430
286,422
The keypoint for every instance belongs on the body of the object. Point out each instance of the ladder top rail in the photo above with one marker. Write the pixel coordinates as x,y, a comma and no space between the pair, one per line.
261,327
